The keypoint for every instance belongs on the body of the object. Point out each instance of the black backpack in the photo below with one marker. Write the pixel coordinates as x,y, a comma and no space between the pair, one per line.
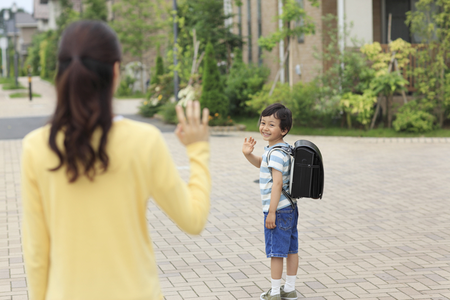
307,176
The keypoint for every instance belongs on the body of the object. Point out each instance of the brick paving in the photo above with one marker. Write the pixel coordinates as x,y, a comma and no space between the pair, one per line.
382,230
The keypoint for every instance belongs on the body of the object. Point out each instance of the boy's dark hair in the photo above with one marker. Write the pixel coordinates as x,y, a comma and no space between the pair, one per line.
280,112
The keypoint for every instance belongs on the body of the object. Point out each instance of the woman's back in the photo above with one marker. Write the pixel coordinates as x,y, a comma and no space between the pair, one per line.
98,244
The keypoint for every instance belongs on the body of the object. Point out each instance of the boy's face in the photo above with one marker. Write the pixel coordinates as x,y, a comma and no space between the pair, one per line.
270,130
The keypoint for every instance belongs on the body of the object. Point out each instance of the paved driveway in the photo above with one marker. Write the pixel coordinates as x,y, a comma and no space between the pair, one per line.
382,230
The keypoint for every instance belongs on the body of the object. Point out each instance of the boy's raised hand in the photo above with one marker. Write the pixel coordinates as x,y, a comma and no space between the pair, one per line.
249,146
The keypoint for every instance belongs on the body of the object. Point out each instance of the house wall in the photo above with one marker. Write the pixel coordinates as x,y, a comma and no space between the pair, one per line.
303,54
26,34
329,7
360,13
269,11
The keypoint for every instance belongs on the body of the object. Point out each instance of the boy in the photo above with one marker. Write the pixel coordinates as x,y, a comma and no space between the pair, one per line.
280,232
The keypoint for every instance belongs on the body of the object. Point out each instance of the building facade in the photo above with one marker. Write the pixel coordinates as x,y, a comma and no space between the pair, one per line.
369,19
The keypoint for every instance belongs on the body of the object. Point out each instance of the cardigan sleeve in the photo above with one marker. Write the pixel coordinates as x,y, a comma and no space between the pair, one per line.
35,234
186,204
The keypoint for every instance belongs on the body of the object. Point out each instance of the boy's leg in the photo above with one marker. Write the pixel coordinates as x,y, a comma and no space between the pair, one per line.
291,272
276,271
276,267
292,264
292,259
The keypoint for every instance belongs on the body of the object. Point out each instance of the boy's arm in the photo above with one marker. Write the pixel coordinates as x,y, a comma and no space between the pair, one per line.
274,198
253,159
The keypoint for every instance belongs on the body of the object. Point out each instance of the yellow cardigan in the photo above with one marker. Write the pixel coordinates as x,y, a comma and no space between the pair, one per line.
89,240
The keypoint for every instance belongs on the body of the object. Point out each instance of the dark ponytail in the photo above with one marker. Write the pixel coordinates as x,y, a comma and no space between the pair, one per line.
84,84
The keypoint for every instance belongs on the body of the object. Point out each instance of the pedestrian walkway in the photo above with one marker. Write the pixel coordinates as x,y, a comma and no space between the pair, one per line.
45,105
381,231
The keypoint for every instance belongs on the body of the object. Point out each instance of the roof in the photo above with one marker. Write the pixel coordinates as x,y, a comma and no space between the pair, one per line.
22,20
25,19
40,10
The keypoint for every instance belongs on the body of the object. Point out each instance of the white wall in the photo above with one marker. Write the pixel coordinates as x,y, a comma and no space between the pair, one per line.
53,13
360,13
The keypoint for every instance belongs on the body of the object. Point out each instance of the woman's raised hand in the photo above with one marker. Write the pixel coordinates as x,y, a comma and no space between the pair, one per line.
191,128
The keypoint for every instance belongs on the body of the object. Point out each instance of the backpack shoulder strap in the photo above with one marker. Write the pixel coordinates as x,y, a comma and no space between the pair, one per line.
287,150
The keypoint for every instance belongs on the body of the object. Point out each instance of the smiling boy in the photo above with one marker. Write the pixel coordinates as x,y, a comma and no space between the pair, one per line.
280,218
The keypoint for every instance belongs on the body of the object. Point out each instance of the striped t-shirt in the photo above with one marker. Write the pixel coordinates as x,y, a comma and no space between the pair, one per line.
279,161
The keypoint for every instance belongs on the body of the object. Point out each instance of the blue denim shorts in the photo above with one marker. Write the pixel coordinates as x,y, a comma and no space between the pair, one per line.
283,239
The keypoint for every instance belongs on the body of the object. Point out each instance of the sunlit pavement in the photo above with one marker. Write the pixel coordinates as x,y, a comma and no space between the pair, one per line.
381,231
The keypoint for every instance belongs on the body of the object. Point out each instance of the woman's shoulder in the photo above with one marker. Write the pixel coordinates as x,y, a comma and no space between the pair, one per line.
37,136
132,127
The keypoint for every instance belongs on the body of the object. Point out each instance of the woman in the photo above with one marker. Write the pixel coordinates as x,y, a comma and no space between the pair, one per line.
87,176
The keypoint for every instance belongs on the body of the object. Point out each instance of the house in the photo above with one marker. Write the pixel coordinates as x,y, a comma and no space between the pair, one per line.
256,18
20,30
41,14
54,10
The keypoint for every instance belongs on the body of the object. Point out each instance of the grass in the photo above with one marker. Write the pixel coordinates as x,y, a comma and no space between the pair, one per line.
251,125
6,80
132,96
23,95
12,86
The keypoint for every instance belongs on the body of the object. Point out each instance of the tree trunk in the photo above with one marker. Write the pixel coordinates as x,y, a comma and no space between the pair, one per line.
441,118
142,76
389,110
375,115
385,115
349,120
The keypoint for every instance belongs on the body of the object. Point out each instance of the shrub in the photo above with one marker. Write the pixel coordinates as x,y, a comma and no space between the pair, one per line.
301,99
360,106
412,118
163,88
149,109
218,120
126,86
244,80
167,111
302,103
213,96
259,101
33,54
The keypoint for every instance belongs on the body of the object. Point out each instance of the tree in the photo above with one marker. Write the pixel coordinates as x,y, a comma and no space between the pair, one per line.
138,24
67,15
292,12
207,17
159,70
96,10
212,90
242,81
431,22
385,82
